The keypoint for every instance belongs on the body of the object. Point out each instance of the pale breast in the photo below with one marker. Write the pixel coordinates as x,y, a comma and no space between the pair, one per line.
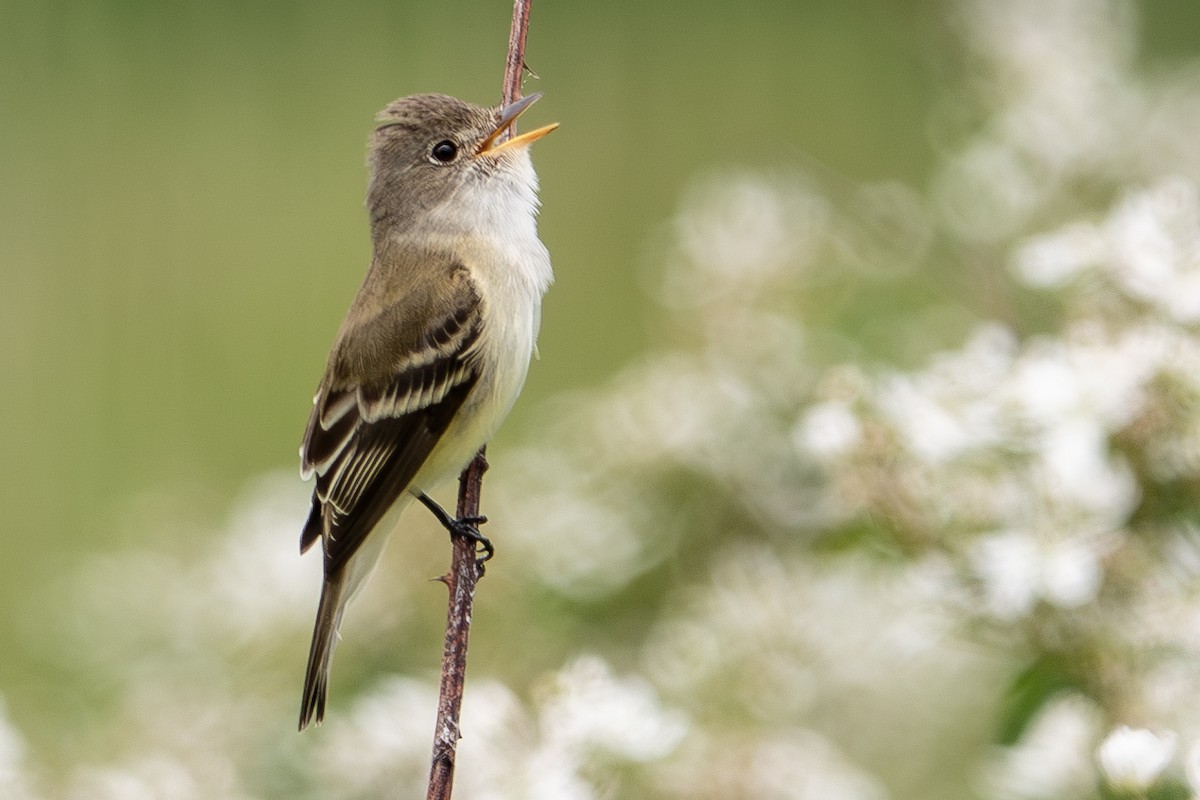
492,228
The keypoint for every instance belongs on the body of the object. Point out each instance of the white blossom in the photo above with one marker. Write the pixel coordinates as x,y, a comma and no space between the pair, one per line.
1133,758
828,430
1053,759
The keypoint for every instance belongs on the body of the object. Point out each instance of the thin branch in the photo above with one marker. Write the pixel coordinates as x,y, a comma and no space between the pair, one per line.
465,570
514,65
464,574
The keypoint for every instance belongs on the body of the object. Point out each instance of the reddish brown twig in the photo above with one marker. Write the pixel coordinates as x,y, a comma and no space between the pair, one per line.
464,569
514,65
461,580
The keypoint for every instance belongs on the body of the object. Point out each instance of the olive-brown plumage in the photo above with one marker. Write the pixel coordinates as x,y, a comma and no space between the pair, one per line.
435,346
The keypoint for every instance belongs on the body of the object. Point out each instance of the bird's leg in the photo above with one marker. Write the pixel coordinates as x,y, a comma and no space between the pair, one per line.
466,527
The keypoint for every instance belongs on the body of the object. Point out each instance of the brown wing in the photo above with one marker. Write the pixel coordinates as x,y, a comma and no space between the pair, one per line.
395,381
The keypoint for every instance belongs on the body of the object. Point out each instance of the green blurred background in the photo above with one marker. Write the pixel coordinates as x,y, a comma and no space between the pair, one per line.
181,222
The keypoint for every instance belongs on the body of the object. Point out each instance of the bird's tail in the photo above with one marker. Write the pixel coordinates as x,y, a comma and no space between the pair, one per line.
320,653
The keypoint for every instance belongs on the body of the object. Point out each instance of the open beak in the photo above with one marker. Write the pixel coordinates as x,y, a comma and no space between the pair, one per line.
508,115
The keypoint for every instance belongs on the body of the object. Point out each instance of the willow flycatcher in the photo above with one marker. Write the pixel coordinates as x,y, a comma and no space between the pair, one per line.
435,347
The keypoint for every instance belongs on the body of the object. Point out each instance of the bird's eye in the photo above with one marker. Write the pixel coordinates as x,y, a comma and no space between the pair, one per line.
445,151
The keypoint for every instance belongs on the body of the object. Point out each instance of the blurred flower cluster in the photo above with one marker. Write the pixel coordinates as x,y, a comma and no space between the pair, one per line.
765,569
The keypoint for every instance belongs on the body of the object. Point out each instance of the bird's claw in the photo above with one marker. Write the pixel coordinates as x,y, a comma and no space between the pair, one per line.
468,528
463,527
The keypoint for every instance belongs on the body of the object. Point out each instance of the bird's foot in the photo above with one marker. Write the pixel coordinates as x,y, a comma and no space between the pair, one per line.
464,528
468,528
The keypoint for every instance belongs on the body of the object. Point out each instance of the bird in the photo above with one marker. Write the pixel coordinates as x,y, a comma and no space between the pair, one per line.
435,346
